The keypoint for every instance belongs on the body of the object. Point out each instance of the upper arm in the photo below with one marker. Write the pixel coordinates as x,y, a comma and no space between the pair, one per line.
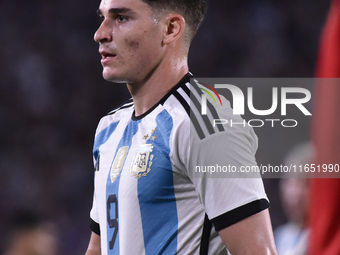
94,245
252,235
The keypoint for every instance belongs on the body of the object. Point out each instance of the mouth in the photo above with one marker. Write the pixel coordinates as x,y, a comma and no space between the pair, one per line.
106,56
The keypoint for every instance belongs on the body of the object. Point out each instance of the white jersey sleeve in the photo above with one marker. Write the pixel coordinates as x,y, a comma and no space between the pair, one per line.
215,162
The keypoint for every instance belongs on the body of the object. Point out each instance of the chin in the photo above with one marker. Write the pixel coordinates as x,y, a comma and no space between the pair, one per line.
113,77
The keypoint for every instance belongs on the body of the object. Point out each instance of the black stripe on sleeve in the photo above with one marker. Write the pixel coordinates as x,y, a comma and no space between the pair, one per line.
209,105
193,118
190,114
204,117
215,115
205,236
94,226
182,101
229,218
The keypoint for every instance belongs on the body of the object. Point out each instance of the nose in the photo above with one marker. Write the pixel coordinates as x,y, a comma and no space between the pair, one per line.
103,33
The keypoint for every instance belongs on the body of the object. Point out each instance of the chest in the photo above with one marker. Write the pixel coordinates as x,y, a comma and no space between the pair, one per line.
136,156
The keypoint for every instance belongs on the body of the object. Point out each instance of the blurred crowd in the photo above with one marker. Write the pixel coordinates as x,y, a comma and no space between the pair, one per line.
52,96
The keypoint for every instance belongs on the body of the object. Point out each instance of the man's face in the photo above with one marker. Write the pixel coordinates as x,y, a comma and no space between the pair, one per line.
130,40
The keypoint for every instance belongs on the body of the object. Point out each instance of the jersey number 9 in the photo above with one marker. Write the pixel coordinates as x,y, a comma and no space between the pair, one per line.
113,223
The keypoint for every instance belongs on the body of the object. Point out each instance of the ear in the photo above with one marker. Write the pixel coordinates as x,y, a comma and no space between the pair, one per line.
174,28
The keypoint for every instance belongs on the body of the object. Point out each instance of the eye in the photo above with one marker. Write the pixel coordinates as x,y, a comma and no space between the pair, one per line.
122,18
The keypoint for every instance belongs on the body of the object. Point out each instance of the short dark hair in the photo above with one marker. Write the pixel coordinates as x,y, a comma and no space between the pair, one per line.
193,11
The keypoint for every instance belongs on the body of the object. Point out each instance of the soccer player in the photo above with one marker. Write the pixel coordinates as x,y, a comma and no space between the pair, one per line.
148,198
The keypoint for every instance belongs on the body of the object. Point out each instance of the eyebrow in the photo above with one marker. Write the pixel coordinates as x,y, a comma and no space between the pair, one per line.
115,10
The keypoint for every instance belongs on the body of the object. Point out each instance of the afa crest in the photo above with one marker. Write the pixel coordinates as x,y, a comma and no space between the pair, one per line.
141,164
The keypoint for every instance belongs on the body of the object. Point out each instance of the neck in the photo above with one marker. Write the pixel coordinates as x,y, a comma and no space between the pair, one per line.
150,91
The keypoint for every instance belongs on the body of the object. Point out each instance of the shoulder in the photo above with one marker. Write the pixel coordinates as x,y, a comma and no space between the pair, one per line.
204,111
212,115
125,110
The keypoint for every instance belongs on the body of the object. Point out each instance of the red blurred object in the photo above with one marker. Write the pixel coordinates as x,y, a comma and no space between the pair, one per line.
325,193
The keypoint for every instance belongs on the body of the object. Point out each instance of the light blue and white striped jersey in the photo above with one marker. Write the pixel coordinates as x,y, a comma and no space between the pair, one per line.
147,200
